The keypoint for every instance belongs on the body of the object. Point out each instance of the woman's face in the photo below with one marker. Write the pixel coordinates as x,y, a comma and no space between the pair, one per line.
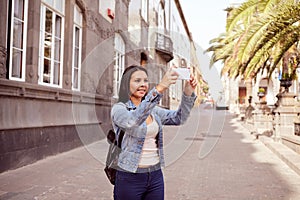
138,84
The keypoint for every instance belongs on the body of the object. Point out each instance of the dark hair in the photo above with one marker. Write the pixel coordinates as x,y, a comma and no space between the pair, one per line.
144,57
124,91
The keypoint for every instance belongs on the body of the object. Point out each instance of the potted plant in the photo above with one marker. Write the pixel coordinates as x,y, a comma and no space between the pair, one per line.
286,81
261,92
290,63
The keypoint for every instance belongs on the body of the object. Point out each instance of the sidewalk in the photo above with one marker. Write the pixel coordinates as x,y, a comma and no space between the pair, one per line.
287,155
206,159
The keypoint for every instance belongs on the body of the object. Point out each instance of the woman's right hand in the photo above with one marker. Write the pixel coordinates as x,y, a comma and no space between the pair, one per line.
169,78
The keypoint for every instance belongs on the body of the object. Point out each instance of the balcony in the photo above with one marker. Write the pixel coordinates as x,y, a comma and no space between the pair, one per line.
164,46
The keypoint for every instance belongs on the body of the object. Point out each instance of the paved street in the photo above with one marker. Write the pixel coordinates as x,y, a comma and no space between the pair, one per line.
211,157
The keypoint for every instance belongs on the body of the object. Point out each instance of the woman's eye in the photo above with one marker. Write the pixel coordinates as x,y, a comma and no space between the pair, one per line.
140,80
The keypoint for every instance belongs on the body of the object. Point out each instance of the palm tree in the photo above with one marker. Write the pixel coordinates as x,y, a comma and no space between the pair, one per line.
259,34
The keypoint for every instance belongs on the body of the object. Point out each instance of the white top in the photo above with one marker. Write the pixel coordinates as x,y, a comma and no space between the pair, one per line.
150,151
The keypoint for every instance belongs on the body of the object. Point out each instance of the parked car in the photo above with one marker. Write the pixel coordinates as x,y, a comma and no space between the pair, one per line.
220,104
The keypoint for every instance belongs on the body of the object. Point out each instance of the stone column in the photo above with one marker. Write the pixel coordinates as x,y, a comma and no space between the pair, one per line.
249,87
262,118
3,55
276,124
284,115
3,37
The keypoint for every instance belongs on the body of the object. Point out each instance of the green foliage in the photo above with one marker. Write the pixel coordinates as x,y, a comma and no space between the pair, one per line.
261,90
205,89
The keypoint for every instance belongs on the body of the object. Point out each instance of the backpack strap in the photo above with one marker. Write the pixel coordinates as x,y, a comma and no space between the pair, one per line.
120,138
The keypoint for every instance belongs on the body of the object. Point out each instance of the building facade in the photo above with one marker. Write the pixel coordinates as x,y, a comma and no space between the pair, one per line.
61,65
158,27
56,56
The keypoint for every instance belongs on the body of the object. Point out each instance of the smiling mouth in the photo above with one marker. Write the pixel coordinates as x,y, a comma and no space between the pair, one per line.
141,90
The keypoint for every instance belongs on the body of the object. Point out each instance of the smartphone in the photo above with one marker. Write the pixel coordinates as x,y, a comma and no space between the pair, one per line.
184,73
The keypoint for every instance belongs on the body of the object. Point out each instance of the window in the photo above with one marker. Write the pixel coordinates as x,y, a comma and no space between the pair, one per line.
161,19
144,10
18,36
106,6
76,58
56,4
119,63
51,43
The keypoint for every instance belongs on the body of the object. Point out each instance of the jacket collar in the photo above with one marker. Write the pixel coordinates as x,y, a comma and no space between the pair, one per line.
130,105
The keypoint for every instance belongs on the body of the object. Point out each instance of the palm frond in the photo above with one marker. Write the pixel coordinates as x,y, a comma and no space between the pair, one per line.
240,14
286,45
255,33
247,11
272,4
277,31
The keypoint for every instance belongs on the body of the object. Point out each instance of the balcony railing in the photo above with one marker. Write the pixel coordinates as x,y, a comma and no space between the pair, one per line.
164,46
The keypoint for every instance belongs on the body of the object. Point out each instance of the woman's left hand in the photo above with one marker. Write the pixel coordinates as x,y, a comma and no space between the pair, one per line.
190,86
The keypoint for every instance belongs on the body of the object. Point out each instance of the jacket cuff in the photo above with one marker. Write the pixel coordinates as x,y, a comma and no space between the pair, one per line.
191,98
153,96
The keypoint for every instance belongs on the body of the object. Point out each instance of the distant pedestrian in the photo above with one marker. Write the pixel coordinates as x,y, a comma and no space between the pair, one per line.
139,176
249,110
144,59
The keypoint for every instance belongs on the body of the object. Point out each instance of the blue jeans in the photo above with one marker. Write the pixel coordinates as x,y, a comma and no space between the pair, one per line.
139,186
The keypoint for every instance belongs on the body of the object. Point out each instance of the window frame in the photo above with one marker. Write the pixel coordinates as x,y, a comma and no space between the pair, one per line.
144,10
79,26
119,63
103,6
23,43
44,8
161,19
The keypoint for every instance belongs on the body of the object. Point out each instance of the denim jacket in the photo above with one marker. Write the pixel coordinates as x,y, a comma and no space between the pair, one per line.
132,120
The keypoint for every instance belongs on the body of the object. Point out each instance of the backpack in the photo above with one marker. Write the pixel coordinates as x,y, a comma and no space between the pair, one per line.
113,155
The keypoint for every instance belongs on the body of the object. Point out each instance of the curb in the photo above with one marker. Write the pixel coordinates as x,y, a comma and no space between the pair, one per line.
287,155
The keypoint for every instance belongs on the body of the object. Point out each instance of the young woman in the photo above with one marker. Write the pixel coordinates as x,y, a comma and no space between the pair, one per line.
139,176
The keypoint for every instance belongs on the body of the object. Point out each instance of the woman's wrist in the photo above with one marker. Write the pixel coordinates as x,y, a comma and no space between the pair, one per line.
187,93
159,88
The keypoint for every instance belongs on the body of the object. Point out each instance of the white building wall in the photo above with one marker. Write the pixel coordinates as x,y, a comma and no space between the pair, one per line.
134,22
181,50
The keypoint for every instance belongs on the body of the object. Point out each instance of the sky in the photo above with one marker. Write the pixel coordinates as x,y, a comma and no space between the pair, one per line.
206,20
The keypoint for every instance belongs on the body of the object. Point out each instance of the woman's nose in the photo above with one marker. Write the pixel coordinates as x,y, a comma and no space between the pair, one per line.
143,83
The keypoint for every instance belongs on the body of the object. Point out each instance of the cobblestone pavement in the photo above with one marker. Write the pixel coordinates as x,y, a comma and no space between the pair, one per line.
212,157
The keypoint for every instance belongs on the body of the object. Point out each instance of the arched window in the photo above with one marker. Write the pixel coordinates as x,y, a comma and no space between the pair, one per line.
119,64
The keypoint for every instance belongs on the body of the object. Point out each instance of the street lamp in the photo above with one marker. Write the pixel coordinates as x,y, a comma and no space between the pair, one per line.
286,83
286,79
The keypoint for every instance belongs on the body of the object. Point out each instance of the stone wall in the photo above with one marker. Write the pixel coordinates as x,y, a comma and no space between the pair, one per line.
36,120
